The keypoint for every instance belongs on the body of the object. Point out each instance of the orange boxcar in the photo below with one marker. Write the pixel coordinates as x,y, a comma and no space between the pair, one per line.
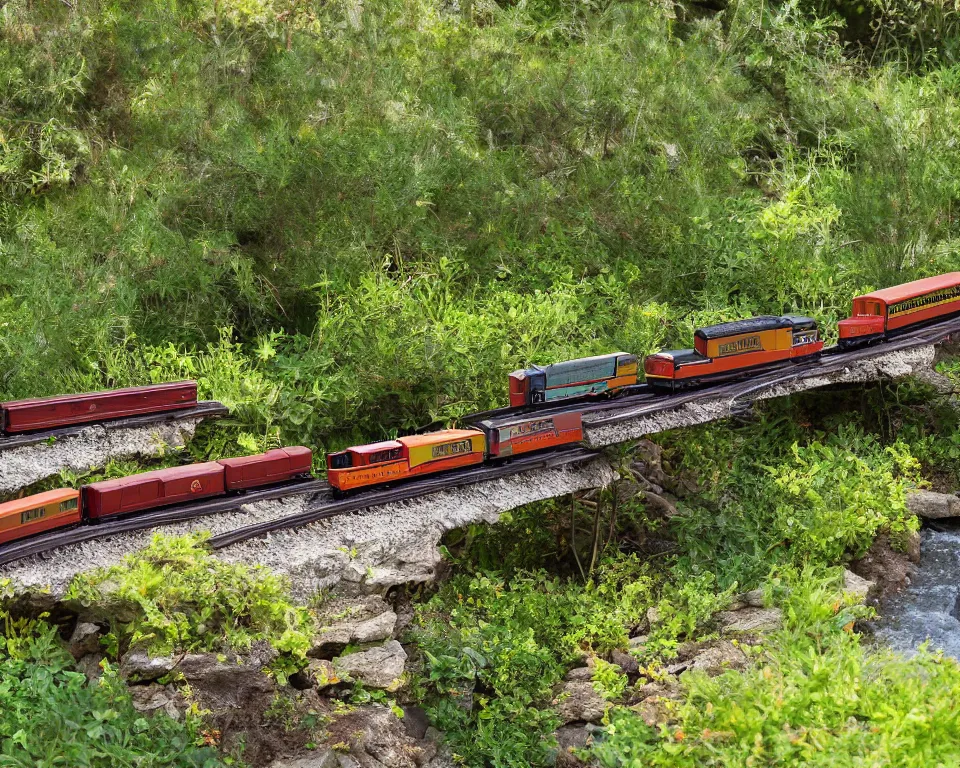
367,465
38,513
884,313
730,350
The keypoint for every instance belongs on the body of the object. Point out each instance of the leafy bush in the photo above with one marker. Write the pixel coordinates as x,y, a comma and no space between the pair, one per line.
186,600
52,715
815,696
502,645
818,503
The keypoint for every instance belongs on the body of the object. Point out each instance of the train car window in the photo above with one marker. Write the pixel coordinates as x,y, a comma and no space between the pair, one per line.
391,454
340,461
32,514
66,506
873,308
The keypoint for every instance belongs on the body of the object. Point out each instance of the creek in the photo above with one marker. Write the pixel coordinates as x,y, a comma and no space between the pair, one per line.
928,609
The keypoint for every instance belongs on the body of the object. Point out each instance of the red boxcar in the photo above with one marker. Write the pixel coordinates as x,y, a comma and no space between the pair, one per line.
274,466
510,436
882,313
152,489
49,412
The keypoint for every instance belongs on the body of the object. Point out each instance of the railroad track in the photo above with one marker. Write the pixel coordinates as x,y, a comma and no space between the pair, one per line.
640,401
203,410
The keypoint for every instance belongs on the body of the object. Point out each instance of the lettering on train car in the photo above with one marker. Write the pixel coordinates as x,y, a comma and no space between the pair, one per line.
804,337
746,344
929,300
531,427
452,449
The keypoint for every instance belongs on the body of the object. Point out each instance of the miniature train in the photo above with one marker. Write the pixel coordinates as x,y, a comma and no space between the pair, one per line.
66,507
721,352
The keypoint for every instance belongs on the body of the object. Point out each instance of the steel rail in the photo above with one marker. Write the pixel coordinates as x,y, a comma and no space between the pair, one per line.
205,409
832,359
176,514
410,490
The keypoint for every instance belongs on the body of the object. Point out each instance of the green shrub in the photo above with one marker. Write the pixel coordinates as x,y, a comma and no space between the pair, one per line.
185,600
52,715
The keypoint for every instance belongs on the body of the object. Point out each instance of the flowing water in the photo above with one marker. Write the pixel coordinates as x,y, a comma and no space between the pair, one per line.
929,607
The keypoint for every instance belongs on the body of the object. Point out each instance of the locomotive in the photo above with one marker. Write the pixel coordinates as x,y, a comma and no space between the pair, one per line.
721,352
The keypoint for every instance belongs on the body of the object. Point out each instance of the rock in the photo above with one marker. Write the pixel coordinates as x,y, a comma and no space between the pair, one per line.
718,658
90,666
933,506
885,565
319,674
955,611
856,586
153,698
228,684
653,616
579,701
378,668
652,711
320,758
415,721
136,666
638,642
570,738
85,639
751,620
626,662
752,599
668,688
377,738
345,621
579,674
912,547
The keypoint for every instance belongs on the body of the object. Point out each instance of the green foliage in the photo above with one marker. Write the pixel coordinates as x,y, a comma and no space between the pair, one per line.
349,221
817,503
815,696
502,646
53,716
185,600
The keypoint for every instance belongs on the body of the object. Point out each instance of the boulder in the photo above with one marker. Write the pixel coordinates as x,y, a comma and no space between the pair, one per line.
718,658
85,639
626,662
750,620
345,621
638,642
856,586
578,701
153,698
377,668
933,506
377,738
320,758
752,599
138,667
579,674
912,547
89,665
415,721
570,738
226,684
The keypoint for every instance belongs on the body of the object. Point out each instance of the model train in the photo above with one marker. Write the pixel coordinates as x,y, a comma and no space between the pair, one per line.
721,352
66,507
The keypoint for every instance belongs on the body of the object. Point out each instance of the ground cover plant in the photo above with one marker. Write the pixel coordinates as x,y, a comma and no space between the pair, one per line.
52,715
175,597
